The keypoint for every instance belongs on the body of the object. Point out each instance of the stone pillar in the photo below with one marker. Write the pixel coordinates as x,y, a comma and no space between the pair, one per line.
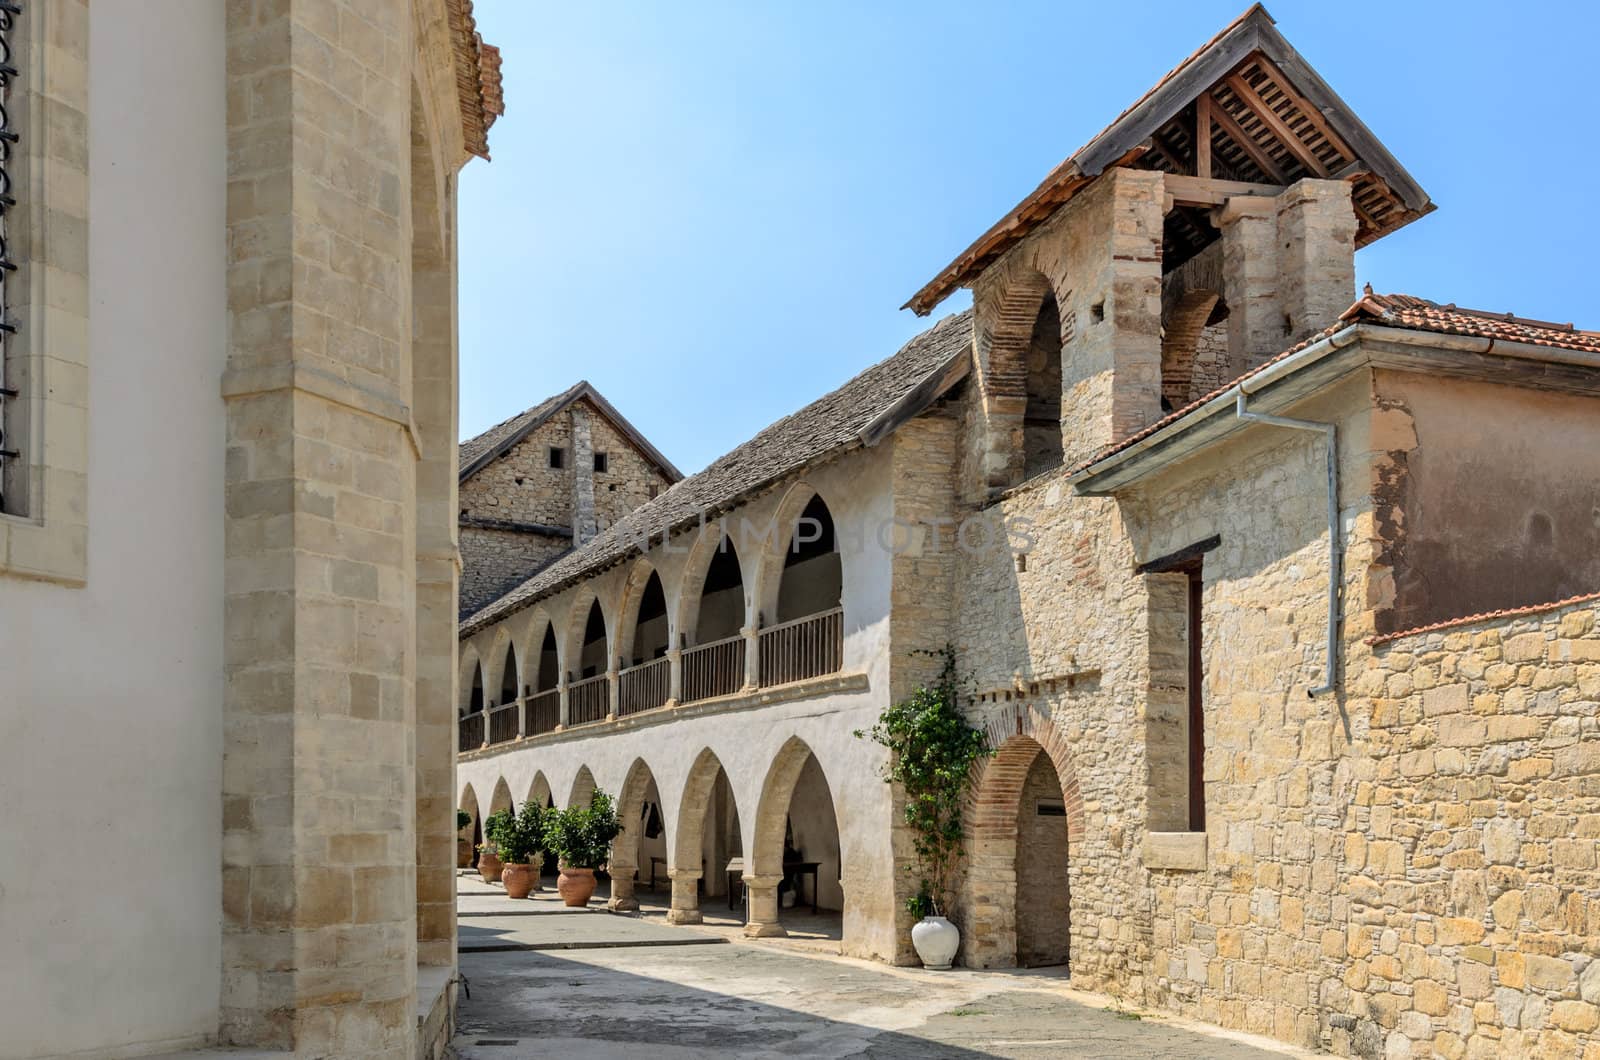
1256,331
522,716
685,907
752,658
584,526
622,899
1316,255
613,692
319,774
674,677
762,900
564,717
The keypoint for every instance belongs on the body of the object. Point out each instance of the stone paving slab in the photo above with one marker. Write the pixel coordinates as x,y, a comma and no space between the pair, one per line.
579,930
763,1000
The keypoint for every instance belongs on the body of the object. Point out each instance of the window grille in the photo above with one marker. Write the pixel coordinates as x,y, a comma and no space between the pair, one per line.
10,396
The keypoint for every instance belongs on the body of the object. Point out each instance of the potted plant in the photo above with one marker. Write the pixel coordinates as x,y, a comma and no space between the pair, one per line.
463,843
580,838
489,863
931,750
518,848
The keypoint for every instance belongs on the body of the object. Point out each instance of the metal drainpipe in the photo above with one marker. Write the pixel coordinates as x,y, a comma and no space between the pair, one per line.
1335,555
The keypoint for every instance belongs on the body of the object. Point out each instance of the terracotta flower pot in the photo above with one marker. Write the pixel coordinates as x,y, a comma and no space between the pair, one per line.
576,886
489,866
519,879
463,853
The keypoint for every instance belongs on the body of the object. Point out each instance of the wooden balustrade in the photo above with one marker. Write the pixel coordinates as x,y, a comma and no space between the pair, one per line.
470,729
644,687
544,712
715,669
588,700
503,723
805,647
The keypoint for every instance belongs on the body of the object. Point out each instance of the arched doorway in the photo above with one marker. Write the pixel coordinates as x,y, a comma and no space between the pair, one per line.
539,795
1041,416
796,862
706,840
640,849
1025,816
472,831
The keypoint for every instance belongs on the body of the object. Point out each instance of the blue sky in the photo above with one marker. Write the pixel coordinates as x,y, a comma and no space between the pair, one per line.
712,211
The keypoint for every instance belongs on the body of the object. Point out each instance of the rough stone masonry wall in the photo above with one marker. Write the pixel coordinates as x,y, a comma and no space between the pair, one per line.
1470,861
493,560
628,479
521,486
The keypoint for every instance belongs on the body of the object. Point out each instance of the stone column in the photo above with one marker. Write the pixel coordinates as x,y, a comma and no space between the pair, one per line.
685,907
522,716
762,898
752,658
613,692
584,526
319,773
622,899
674,677
1249,226
564,717
1316,255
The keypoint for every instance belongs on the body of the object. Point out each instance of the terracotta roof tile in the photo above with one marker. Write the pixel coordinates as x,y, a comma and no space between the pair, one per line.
1484,616
1397,311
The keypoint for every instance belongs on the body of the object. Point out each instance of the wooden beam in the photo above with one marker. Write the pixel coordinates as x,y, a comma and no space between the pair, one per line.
1257,153
1258,106
1209,191
1202,136
1305,107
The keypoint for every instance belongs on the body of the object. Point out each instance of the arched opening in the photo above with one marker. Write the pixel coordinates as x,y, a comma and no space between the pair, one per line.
707,841
544,695
797,843
589,695
475,697
650,628
1020,830
592,657
1041,416
1194,347
539,795
583,788
471,728
808,639
508,678
647,681
470,834
548,674
639,852
715,664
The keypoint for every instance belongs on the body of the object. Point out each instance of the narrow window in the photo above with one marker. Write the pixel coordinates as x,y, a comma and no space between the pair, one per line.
1175,720
599,461
653,492
558,457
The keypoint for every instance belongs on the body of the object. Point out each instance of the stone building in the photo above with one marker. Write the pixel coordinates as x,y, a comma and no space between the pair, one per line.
1279,602
545,481
227,539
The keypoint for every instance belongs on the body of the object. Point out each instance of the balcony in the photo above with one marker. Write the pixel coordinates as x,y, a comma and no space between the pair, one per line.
503,723
544,712
470,732
715,669
644,687
589,700
806,647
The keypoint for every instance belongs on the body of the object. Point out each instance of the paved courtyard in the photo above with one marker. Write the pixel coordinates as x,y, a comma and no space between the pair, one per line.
545,980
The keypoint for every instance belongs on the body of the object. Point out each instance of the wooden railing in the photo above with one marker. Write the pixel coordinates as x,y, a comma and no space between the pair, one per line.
644,687
588,700
544,712
471,731
805,647
503,723
715,669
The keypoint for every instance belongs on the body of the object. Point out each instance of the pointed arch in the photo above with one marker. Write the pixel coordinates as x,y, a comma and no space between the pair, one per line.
539,790
639,784
541,652
583,788
501,799
510,683
644,623
773,810
588,636
688,834
714,560
469,667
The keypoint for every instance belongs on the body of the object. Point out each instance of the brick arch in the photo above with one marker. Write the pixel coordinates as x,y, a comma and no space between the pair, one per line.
1180,341
1010,332
992,827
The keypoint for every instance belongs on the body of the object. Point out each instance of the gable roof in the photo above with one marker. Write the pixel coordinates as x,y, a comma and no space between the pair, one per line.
1388,310
1274,121
477,452
860,413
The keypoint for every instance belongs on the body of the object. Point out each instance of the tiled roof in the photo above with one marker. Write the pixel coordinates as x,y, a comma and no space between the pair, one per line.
1483,616
478,83
1397,311
831,424
476,452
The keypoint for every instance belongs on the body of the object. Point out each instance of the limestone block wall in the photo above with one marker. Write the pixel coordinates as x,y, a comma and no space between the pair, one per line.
1473,831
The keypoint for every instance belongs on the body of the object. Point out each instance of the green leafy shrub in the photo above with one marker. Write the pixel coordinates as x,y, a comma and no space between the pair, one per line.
494,827
580,836
522,836
463,818
931,750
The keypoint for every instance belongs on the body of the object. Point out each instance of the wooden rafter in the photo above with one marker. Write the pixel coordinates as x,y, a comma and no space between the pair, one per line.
1313,116
1257,153
1202,135
1280,129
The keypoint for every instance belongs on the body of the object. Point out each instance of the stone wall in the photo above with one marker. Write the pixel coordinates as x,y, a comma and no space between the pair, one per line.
628,481
1469,864
521,485
494,558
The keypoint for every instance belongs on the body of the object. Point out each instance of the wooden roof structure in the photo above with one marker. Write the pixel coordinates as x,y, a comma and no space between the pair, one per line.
1244,108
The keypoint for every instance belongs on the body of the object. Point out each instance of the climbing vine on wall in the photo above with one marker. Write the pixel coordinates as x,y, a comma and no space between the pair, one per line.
931,751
